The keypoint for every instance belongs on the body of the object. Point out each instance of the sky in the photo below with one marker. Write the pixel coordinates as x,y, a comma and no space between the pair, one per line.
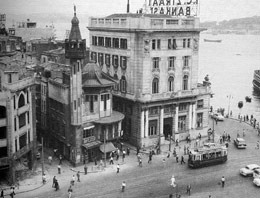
210,10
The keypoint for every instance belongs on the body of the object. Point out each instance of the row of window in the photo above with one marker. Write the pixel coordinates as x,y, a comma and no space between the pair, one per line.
22,120
171,61
119,43
172,44
182,124
100,58
155,84
92,99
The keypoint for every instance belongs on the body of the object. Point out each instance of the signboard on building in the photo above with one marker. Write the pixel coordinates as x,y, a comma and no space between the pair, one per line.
174,7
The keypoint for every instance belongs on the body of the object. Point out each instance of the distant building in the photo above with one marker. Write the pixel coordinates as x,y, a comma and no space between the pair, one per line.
155,58
17,117
76,105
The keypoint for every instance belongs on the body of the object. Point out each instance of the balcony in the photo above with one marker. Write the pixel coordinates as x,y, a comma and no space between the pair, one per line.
4,161
3,142
2,122
186,69
23,109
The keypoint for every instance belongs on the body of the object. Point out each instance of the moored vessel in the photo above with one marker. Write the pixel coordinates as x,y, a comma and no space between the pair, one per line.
256,81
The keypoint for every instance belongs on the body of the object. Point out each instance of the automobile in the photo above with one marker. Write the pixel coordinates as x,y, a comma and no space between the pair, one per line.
240,143
256,181
218,117
249,170
256,173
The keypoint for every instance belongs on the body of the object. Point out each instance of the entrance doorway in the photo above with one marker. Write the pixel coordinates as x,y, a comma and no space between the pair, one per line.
167,128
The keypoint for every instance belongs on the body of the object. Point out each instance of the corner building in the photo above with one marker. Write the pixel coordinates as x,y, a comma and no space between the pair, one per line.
155,59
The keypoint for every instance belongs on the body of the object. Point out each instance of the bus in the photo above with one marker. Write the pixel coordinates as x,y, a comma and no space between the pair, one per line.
207,155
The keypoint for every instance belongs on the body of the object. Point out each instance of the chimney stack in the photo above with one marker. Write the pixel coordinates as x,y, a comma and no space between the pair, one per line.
128,7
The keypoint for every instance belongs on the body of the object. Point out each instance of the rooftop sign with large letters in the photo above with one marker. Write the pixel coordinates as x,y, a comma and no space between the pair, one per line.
174,7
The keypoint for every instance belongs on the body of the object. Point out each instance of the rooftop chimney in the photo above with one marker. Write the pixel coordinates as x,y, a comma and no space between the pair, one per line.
128,7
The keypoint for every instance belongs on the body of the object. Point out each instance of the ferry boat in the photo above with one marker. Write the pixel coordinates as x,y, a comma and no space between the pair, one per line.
213,40
256,81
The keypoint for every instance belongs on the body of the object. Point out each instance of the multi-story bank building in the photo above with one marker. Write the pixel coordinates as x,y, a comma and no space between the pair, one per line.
155,58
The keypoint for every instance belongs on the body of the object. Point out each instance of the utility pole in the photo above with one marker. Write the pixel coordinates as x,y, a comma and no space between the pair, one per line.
42,158
105,155
229,97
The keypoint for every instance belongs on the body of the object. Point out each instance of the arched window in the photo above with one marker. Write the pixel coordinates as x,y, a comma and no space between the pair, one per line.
21,101
155,86
185,82
123,84
171,84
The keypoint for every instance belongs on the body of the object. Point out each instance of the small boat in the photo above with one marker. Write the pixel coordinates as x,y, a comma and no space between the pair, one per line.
213,40
248,99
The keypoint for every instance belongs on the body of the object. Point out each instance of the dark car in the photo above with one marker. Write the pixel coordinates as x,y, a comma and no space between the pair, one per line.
240,143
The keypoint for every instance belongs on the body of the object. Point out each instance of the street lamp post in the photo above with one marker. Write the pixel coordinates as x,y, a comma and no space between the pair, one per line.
229,97
105,155
42,158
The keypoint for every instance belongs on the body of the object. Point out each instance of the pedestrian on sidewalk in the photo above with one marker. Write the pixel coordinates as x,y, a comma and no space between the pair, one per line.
50,160
168,154
123,156
111,161
117,156
257,144
177,158
44,178
57,187
223,181
137,150
118,168
2,193
123,186
73,179
174,152
188,189
85,169
78,176
173,182
53,181
95,160
150,157
12,193
185,150
140,162
128,151
59,169
70,191
182,159
60,158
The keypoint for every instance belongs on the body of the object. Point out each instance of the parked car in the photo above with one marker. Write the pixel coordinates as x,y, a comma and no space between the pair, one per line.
256,181
249,170
218,116
256,173
240,143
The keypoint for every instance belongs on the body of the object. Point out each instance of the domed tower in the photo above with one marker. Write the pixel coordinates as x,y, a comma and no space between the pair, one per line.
75,50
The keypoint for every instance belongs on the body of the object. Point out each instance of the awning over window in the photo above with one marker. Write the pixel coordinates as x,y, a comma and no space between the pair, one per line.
88,127
91,144
108,147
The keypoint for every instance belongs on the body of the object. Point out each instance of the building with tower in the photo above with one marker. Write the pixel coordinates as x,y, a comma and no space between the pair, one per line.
155,59
77,104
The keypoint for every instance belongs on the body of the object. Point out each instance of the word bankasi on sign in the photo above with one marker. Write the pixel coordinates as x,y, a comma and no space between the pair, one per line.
174,7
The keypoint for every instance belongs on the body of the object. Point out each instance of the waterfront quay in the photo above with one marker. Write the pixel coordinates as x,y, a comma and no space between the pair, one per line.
153,180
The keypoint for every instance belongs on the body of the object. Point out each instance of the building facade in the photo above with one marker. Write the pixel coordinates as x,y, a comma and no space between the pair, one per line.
17,118
155,59
76,105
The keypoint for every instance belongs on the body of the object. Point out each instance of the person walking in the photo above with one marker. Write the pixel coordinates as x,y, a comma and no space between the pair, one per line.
118,168
150,158
60,158
86,169
53,181
2,193
70,191
111,161
177,158
123,186
223,181
12,193
123,155
117,156
57,187
173,182
59,169
44,178
128,151
188,189
182,160
78,176
73,179
50,160
140,162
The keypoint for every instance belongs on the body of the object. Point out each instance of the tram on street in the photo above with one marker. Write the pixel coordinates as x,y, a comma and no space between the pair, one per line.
207,155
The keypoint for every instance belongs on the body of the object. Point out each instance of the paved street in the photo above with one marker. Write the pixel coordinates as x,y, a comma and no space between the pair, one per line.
153,180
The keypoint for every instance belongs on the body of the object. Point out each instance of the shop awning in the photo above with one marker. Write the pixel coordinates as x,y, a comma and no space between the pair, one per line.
108,147
115,117
91,144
